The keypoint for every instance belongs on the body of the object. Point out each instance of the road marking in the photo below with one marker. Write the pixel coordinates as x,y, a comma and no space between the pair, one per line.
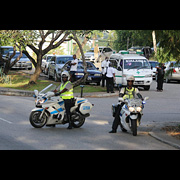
5,120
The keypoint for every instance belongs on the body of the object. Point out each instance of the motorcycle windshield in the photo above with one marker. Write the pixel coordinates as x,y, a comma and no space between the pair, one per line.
51,87
135,102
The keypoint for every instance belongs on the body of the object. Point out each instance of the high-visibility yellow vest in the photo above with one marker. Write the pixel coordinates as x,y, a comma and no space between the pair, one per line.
68,94
129,94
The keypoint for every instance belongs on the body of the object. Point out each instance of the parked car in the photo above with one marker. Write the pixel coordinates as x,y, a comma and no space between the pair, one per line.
23,63
172,71
104,51
94,76
55,65
45,62
4,50
154,64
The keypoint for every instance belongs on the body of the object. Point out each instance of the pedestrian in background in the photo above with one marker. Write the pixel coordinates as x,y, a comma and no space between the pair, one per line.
73,64
104,66
160,76
110,78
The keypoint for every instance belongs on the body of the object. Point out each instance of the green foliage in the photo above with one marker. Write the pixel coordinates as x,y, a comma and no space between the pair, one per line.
170,42
128,38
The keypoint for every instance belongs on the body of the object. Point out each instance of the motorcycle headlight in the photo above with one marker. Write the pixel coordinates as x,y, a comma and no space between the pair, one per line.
131,109
41,101
138,109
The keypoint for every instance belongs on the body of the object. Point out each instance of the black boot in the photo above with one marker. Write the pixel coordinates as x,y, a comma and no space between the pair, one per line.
113,131
70,123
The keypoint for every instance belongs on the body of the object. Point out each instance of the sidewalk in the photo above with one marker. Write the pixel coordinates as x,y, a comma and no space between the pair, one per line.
16,92
156,132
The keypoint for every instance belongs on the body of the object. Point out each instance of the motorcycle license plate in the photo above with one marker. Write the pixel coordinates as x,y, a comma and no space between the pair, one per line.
139,82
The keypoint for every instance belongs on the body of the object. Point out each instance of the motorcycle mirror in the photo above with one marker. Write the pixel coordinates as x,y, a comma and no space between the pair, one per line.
120,99
146,98
36,92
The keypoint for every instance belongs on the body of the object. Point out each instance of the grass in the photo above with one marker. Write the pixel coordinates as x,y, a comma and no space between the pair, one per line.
19,80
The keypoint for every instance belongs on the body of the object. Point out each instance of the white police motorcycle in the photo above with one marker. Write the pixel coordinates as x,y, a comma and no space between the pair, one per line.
131,113
50,109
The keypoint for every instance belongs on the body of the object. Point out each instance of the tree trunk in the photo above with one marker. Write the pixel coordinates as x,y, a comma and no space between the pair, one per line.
83,79
83,44
38,70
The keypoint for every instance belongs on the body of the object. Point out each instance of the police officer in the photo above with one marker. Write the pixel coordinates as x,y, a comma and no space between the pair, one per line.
66,93
128,92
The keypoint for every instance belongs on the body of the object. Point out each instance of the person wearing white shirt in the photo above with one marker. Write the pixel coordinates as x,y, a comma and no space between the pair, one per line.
110,77
74,64
104,66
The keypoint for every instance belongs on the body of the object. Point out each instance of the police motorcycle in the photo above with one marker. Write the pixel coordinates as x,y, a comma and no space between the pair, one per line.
50,109
131,113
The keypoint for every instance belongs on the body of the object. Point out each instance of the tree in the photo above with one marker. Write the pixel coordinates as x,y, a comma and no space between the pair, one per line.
57,38
128,38
10,37
170,42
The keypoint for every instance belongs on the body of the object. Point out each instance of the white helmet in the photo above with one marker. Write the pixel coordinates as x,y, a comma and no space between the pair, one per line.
130,78
65,74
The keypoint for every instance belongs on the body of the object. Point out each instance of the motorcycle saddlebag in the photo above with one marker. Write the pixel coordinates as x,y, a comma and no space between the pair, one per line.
85,108
114,109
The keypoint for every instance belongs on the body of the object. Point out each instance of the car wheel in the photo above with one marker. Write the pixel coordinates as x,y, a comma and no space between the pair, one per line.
167,80
56,79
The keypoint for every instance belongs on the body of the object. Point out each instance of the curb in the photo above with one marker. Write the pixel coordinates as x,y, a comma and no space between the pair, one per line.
12,92
15,92
162,136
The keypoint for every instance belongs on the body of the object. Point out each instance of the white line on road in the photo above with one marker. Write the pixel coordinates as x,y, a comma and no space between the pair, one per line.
5,120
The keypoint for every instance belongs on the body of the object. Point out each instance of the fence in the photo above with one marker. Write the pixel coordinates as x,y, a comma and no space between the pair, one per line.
5,79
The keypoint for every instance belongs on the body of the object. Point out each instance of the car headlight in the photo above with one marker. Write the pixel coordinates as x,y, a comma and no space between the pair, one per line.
79,74
131,109
138,109
97,74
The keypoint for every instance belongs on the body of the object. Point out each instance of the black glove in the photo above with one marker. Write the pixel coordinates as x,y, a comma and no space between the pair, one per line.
57,93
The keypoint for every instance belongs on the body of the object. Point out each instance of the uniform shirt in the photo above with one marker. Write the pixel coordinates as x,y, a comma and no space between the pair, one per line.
74,67
110,72
129,94
68,86
105,65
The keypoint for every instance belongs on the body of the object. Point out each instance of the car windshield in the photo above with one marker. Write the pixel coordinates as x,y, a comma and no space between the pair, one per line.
154,64
174,64
136,64
63,60
17,54
5,50
90,66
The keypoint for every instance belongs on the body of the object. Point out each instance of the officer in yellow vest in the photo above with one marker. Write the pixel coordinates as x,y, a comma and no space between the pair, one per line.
66,93
128,92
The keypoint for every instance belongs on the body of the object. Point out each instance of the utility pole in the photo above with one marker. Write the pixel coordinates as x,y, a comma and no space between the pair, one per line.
154,42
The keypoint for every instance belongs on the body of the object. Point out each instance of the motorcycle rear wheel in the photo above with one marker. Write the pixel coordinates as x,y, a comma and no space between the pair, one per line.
77,120
35,121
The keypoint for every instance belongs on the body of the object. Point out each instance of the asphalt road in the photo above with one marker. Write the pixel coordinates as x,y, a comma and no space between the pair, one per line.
17,133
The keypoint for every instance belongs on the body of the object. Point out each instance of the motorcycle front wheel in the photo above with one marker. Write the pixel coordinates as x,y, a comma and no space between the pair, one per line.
35,121
134,127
